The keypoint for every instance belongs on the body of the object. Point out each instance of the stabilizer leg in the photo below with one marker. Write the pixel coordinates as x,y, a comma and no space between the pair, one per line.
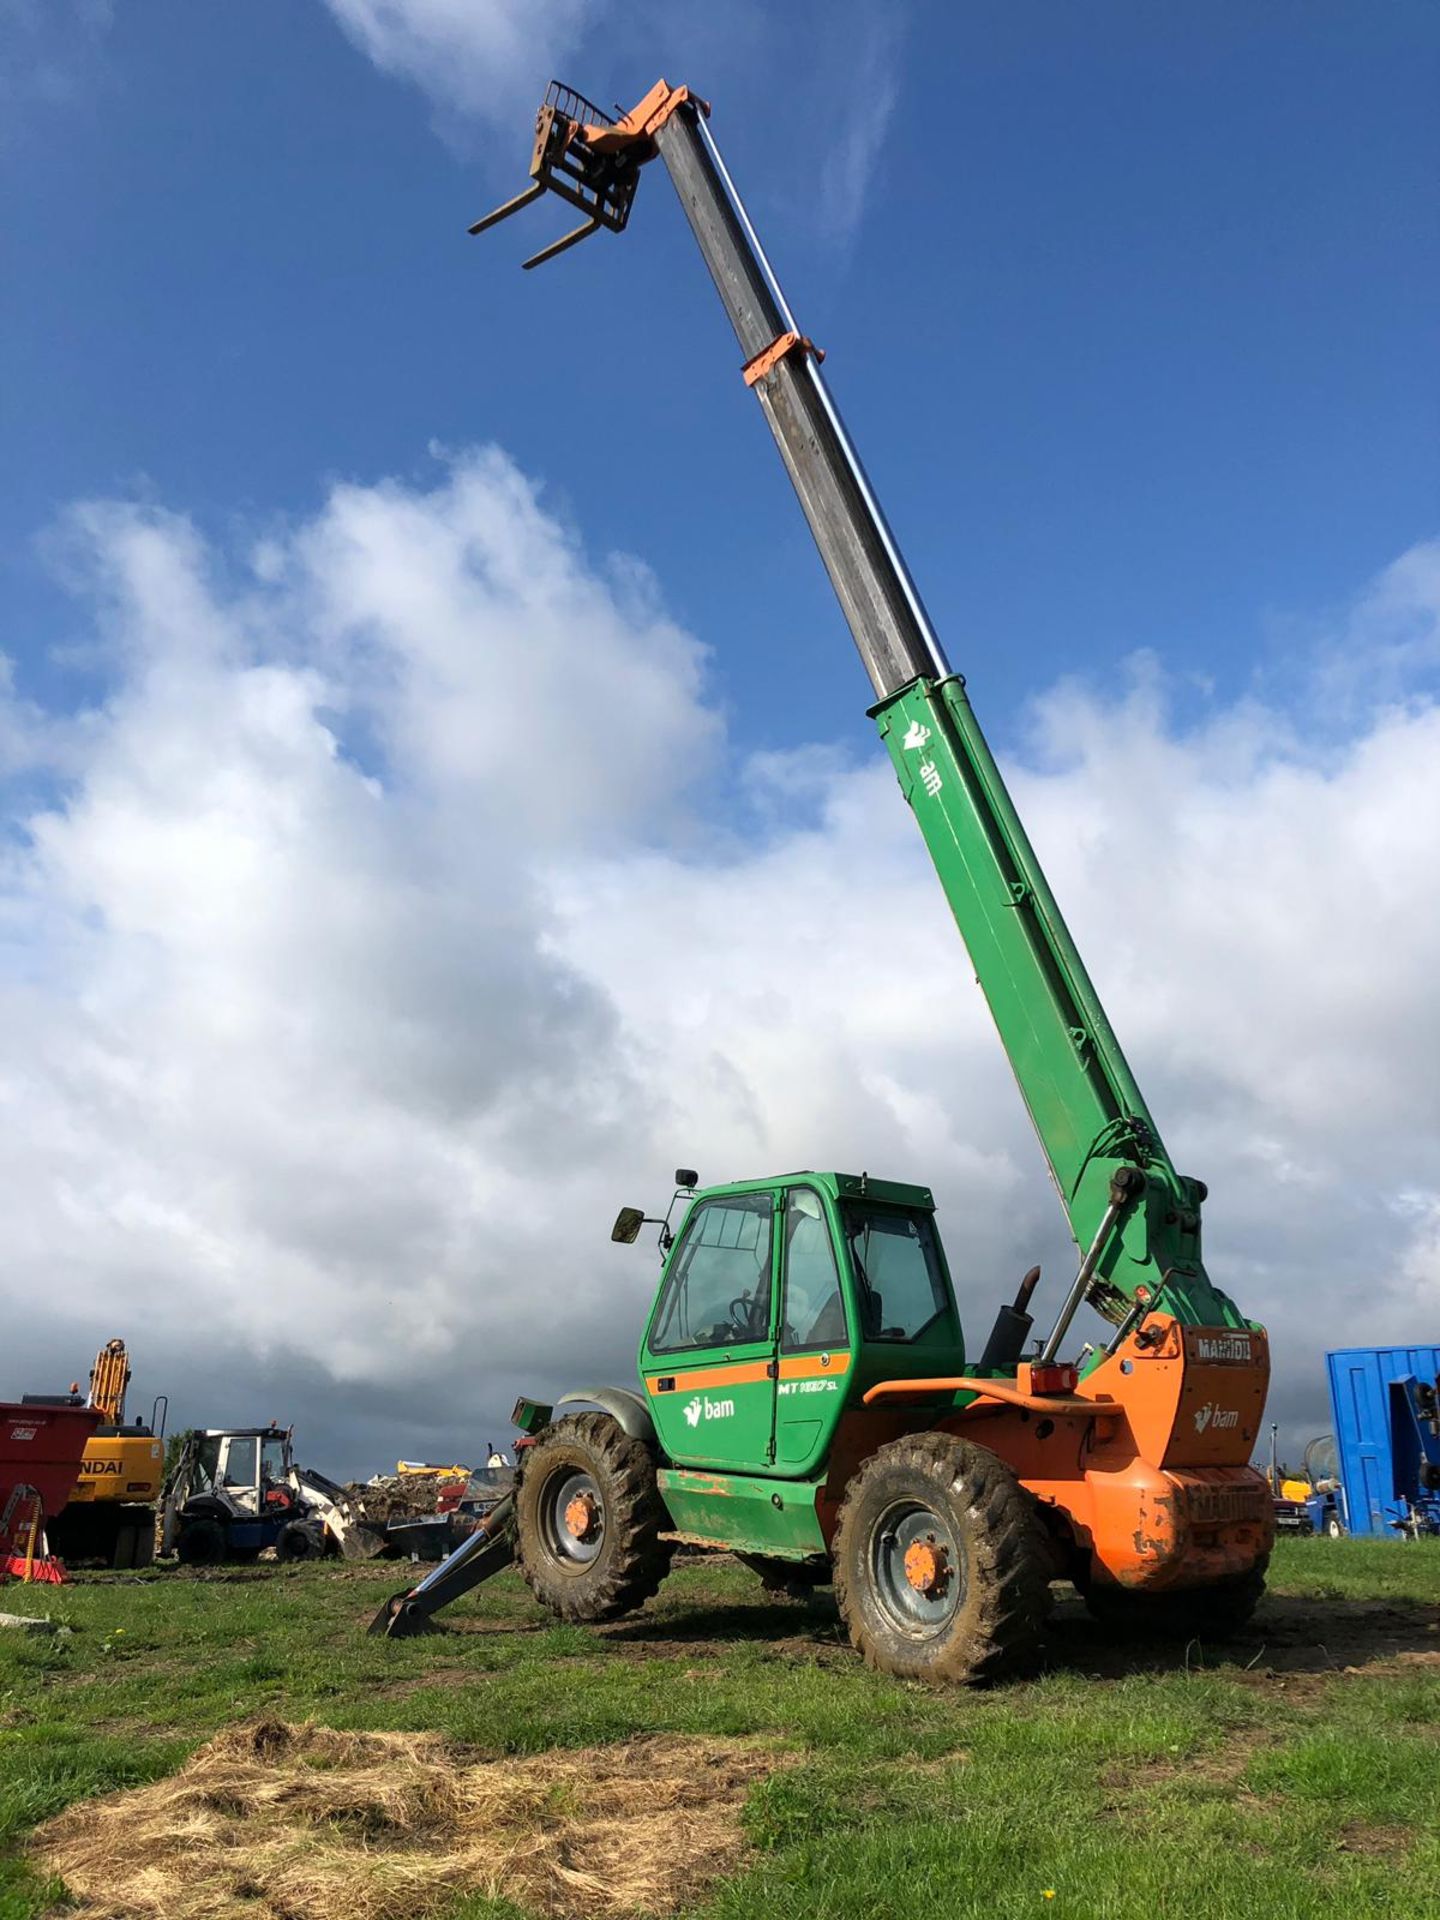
488,1551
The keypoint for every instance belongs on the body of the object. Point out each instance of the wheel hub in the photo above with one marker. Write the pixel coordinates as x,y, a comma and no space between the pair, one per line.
916,1568
927,1567
573,1516
582,1516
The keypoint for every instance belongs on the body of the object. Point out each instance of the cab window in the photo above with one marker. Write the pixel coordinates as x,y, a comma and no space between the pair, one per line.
240,1464
717,1293
897,1270
207,1460
814,1307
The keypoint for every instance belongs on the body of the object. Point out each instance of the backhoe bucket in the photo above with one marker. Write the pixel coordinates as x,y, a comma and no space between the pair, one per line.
574,158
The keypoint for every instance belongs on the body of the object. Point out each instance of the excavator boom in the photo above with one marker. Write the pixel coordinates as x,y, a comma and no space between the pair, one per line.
1135,1218
109,1377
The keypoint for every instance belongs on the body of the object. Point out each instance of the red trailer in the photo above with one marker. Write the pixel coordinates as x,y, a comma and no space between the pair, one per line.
40,1449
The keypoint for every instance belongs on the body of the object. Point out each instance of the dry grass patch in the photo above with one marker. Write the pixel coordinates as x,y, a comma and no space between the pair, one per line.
279,1822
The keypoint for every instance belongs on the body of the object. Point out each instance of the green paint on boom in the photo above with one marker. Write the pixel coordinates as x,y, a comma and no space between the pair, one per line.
1086,1107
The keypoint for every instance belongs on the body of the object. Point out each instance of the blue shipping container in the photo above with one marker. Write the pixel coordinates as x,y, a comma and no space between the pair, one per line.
1361,1402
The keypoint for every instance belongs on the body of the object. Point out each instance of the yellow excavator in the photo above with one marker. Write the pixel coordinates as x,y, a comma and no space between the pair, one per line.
110,1516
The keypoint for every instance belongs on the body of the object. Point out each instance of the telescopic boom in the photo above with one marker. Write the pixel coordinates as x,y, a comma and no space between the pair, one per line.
1136,1220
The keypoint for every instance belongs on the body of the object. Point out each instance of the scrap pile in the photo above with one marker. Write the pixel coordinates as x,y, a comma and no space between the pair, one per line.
401,1496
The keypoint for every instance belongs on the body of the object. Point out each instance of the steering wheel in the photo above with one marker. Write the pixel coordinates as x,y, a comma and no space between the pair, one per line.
742,1314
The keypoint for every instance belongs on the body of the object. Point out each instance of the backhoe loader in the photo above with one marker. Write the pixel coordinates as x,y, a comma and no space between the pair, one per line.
805,1396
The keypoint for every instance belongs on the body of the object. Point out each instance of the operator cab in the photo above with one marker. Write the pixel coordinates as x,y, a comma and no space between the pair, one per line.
781,1302
248,1468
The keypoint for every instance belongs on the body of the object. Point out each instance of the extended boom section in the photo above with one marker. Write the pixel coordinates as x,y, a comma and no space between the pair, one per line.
1135,1218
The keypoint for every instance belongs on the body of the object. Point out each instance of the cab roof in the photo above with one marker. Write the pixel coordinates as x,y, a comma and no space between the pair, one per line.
840,1186
241,1433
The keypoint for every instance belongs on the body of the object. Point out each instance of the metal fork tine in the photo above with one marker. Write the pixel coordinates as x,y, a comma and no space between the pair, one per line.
510,206
560,246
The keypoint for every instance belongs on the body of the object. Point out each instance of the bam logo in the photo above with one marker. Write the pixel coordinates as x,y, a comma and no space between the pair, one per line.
702,1407
1220,1418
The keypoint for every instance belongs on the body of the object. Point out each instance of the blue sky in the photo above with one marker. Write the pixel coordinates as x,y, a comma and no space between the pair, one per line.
395,876
1135,326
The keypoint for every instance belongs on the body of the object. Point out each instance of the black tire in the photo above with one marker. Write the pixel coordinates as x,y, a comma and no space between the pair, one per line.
300,1540
202,1542
1216,1612
587,1467
1333,1528
144,1543
127,1542
988,1565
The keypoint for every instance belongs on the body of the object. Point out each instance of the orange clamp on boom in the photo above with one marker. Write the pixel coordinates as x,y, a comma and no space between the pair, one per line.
769,357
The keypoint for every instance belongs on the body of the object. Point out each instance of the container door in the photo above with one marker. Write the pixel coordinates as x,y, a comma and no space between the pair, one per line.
709,1360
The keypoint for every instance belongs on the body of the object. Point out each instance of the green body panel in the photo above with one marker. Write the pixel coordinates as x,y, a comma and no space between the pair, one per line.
1082,1097
744,1513
758,1406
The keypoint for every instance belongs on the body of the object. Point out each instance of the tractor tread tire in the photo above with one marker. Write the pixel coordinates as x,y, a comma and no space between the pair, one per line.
633,1559
300,1540
996,1631
202,1543
1216,1612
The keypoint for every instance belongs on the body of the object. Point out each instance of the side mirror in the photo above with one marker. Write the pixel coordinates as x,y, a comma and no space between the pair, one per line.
628,1223
687,1177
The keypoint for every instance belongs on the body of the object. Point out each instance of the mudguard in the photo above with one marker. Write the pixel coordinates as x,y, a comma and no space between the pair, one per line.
623,1405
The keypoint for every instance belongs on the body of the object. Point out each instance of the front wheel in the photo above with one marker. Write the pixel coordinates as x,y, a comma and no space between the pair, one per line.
589,1518
941,1571
300,1540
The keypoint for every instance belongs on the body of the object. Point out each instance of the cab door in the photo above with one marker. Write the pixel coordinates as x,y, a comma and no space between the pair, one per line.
709,1360
239,1475
815,1333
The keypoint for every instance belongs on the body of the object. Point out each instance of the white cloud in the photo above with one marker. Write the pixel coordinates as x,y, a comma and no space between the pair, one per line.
470,56
376,936
488,61
859,73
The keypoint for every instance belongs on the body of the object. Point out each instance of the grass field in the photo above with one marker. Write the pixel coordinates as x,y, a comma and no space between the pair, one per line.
1295,1773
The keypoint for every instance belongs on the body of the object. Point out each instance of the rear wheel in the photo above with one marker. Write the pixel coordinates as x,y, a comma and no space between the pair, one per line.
941,1571
589,1518
1198,1613
201,1542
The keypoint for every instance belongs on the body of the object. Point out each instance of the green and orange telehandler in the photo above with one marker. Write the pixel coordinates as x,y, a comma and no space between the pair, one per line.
805,1398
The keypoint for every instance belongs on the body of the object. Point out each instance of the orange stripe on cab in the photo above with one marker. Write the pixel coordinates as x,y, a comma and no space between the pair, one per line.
740,1373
